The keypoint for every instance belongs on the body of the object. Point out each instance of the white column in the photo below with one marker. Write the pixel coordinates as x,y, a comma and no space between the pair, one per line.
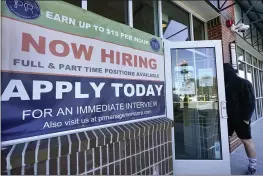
160,18
206,31
130,13
84,4
191,27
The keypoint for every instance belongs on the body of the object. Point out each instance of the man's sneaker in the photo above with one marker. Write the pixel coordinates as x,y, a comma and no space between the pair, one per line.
251,171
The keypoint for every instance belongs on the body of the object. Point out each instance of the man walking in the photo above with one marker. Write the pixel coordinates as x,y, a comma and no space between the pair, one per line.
240,99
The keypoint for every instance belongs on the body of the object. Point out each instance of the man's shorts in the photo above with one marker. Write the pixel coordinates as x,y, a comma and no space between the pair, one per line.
242,129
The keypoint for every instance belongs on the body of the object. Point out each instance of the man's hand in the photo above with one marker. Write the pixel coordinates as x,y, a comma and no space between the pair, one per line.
247,122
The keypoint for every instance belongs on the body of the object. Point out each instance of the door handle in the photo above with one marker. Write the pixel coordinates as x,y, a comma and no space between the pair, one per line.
223,110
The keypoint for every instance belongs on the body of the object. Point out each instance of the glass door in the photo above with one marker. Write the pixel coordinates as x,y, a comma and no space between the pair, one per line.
195,94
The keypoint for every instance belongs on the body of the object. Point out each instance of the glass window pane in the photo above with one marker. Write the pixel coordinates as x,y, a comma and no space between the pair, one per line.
241,69
114,10
254,116
74,2
248,58
195,98
260,42
199,30
175,22
261,83
261,108
250,74
145,16
240,54
256,82
258,108
255,62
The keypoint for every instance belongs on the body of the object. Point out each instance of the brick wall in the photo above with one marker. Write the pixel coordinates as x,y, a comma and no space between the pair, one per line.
214,29
217,30
227,35
133,149
234,142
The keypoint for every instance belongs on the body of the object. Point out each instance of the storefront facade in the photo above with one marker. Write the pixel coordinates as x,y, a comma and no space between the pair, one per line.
210,24
193,133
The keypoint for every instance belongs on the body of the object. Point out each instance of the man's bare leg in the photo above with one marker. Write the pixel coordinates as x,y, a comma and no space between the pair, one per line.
249,147
251,153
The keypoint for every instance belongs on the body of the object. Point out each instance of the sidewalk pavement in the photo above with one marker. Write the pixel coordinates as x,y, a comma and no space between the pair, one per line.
238,158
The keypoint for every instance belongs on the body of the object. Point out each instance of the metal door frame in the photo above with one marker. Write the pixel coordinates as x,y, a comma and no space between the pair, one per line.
200,166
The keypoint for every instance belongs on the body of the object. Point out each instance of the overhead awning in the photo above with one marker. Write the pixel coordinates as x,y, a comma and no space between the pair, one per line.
203,9
254,11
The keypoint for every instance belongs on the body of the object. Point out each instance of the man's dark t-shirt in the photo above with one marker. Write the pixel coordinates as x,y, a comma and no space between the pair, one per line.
240,103
240,96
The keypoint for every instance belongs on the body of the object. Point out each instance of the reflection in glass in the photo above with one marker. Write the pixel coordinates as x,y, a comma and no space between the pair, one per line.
195,98
175,25
145,16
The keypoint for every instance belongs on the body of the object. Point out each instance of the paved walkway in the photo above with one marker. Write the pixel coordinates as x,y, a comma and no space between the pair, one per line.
239,159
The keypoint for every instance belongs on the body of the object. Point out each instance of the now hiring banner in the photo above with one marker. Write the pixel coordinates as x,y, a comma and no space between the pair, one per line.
67,69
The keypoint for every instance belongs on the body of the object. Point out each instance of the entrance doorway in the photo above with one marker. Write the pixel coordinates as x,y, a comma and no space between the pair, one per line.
195,94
